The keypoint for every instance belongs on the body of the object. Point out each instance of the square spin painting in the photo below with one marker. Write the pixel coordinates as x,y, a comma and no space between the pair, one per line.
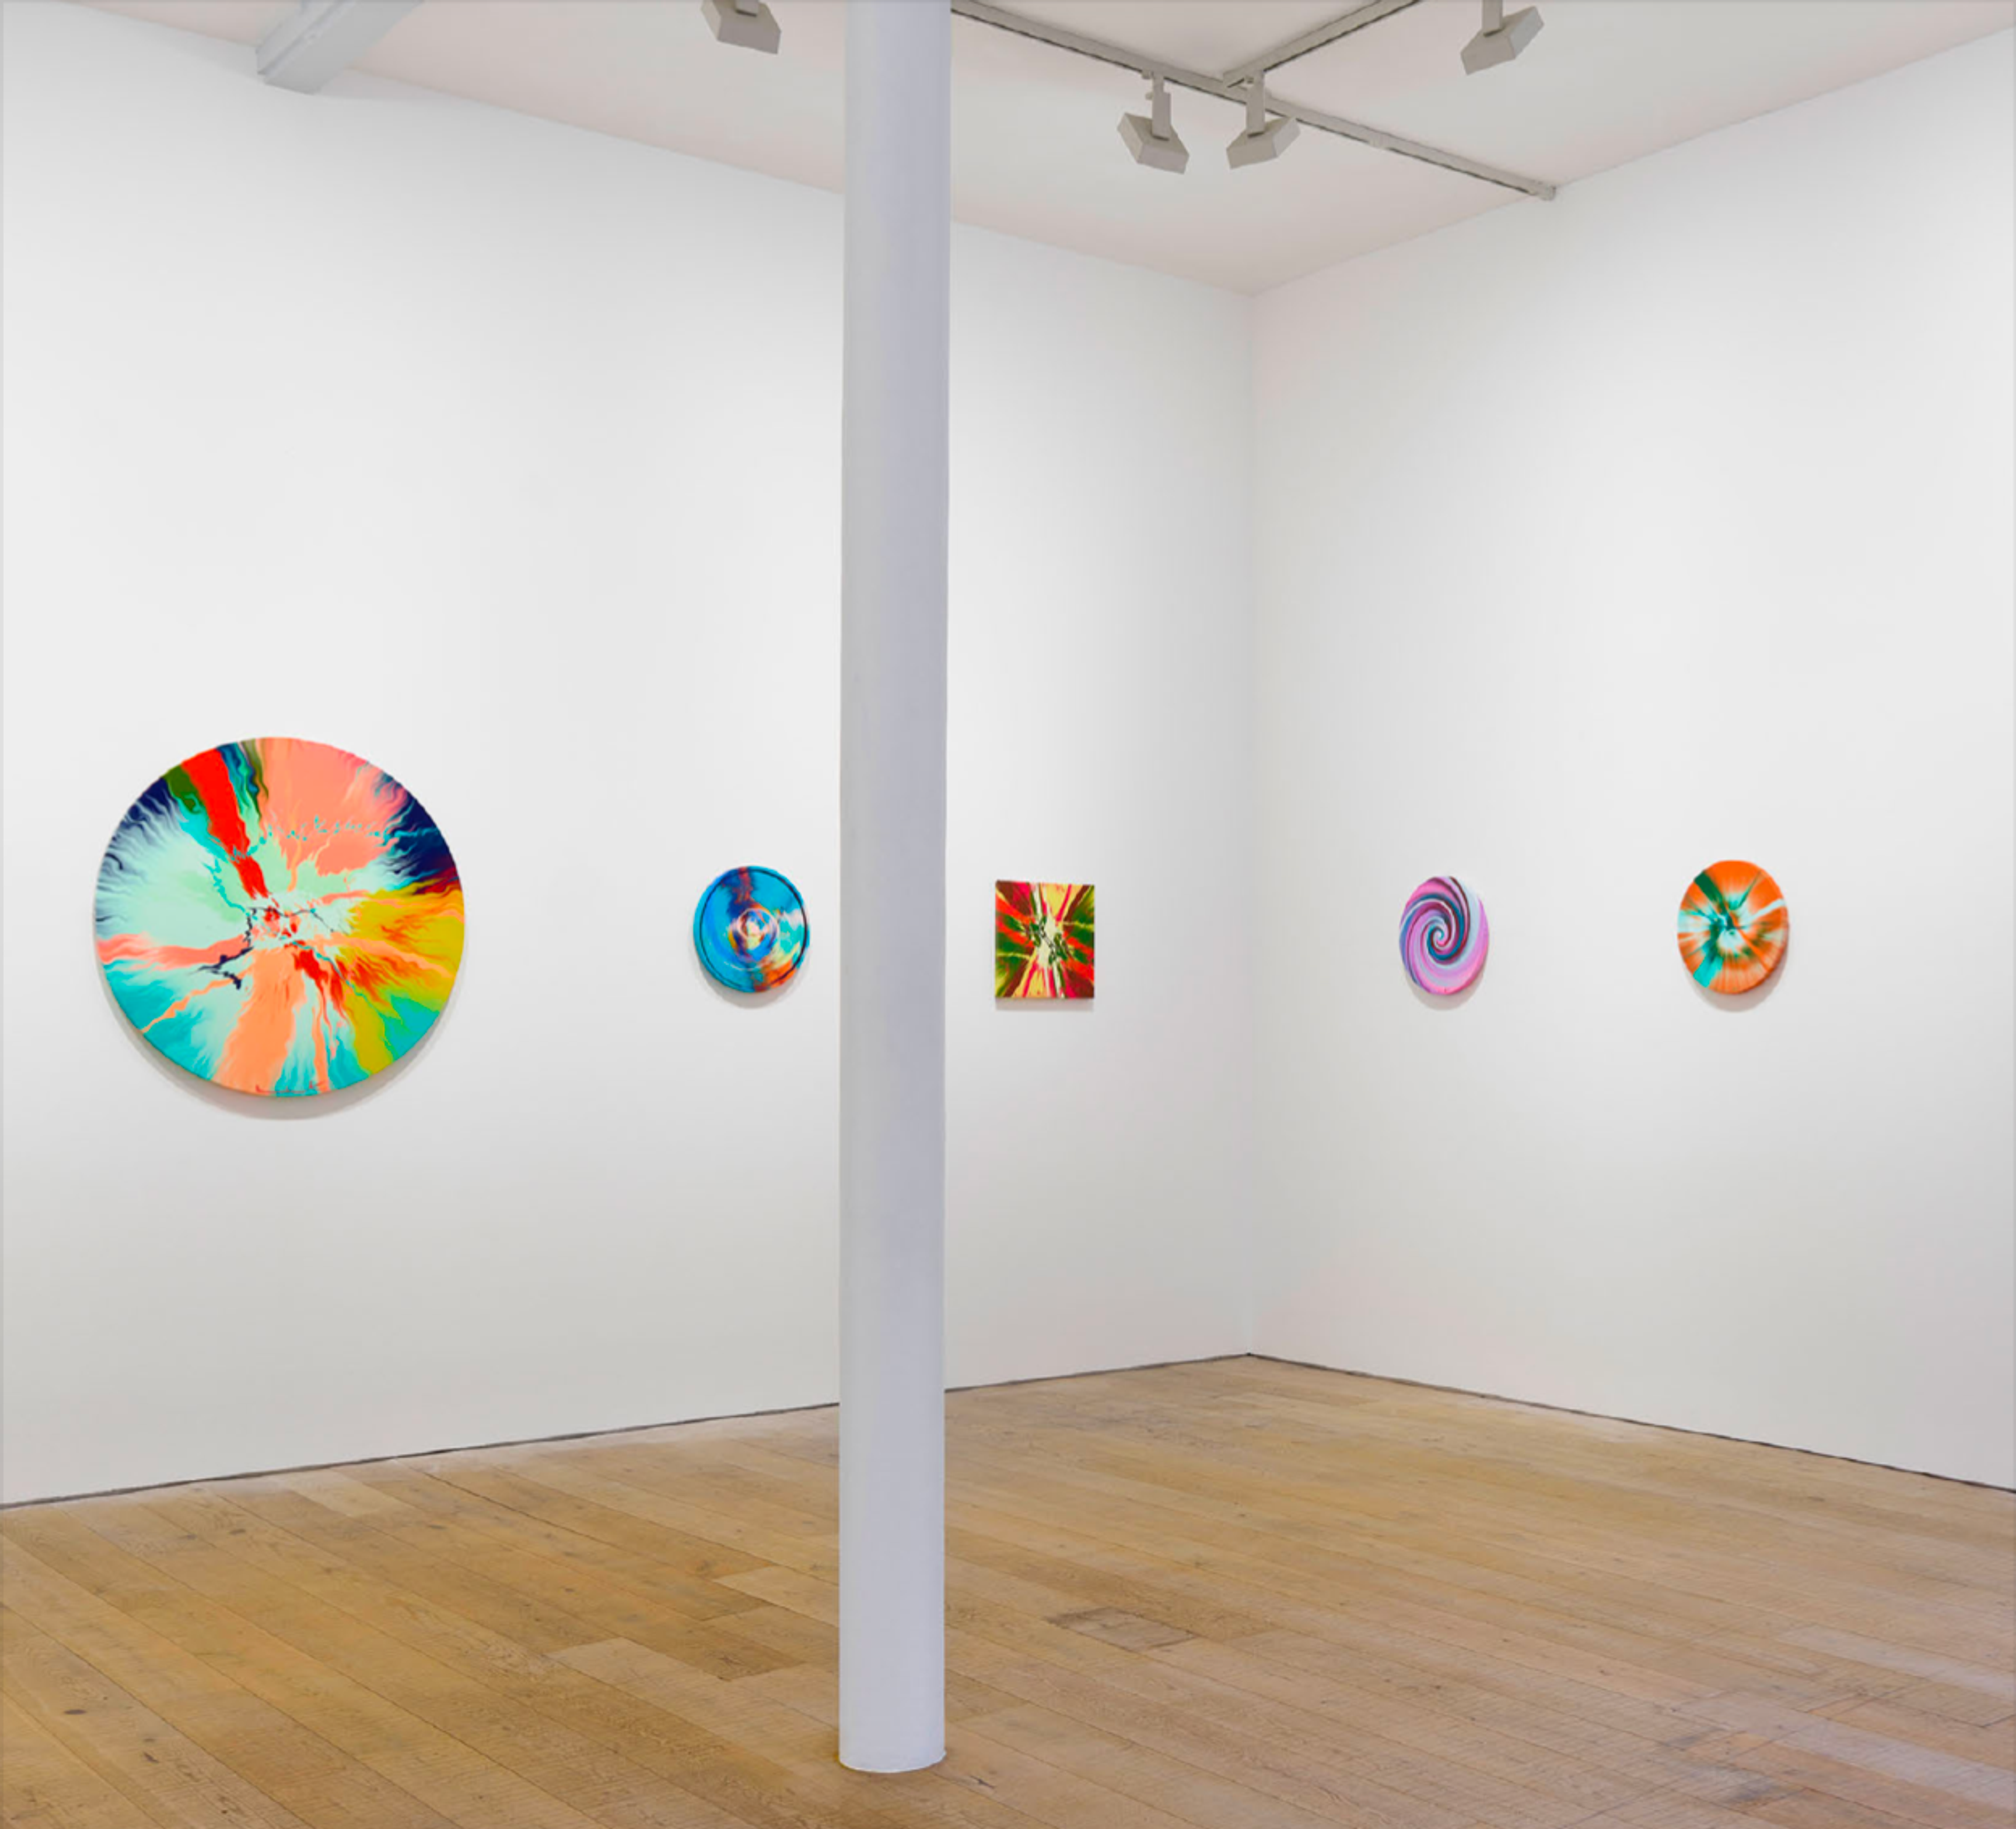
1042,940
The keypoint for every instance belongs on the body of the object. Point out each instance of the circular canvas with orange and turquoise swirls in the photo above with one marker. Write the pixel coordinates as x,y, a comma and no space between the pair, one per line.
1733,927
279,916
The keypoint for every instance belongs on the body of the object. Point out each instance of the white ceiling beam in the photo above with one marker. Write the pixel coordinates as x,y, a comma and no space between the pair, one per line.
1314,39
319,37
1100,50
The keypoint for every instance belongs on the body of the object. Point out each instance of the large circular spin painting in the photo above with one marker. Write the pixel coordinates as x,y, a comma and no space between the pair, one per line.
749,929
279,916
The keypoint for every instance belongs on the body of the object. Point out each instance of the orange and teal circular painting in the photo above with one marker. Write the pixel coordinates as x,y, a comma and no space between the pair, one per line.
279,916
1733,925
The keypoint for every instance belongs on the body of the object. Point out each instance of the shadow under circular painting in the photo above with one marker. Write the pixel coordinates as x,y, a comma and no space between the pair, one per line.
1444,937
749,929
279,916
1733,925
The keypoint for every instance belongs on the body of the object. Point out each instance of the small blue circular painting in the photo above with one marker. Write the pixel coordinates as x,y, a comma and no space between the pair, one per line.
749,929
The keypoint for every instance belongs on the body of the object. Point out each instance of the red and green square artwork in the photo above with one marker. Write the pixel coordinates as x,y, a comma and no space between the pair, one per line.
1042,940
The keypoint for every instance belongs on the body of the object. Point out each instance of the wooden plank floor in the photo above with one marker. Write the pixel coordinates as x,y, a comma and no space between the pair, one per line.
1222,1596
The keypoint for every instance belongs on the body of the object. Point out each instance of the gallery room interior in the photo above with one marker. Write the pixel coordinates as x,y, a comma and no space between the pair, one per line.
925,913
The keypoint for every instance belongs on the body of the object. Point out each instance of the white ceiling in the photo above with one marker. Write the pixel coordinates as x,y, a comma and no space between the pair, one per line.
1035,149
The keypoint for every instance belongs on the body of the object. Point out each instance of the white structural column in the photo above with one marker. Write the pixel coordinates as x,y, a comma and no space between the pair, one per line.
892,875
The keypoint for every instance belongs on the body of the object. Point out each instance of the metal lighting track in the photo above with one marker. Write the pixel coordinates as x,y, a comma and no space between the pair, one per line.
1233,88
1316,37
320,37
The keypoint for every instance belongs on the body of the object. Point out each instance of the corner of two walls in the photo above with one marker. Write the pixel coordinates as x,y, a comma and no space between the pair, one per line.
1101,729
1597,541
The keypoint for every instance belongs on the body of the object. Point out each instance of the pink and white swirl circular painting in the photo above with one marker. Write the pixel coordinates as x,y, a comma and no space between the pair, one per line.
1444,937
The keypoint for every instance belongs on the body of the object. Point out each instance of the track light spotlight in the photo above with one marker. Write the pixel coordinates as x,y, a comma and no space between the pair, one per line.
1150,137
747,23
1502,39
1262,138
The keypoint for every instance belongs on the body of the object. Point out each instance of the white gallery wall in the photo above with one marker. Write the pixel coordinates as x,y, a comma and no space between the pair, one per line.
506,456
1566,550
1670,522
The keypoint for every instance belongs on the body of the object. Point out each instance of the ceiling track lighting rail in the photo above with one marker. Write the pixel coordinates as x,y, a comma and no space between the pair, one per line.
1099,51
1316,37
319,38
